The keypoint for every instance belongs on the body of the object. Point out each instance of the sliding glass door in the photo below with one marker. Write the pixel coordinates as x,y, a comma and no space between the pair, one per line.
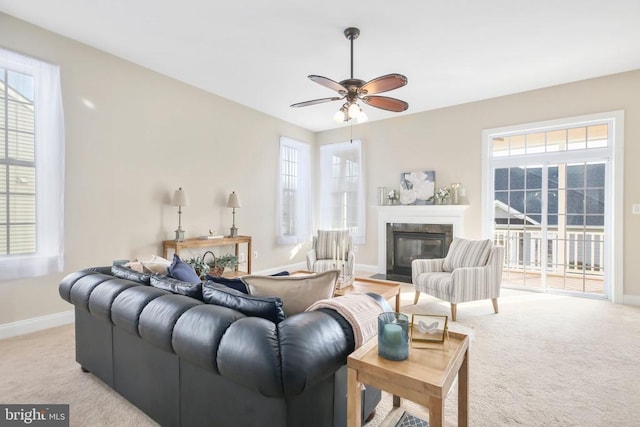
550,207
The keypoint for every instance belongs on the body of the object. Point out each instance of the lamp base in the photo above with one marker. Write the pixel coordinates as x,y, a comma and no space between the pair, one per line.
234,232
179,235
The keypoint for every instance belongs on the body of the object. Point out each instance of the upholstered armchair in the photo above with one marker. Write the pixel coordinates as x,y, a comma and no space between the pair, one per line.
471,271
329,246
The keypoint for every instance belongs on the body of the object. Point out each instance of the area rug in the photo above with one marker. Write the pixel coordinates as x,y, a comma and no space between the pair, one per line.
408,420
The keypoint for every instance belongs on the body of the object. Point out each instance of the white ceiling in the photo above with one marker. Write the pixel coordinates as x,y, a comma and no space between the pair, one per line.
258,53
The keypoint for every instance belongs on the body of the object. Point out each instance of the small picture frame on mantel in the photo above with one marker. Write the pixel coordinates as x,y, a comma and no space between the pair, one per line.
427,329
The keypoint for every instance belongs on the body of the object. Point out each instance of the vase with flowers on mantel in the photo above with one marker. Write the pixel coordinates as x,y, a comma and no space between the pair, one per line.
441,196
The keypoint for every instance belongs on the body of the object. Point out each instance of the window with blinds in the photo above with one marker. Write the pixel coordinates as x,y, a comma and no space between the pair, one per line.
31,167
294,205
17,164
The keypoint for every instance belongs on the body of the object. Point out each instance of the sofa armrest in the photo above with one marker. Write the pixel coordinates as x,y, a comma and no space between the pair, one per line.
419,266
313,345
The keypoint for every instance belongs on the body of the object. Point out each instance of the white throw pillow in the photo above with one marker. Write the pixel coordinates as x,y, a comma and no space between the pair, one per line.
154,264
467,253
135,266
296,292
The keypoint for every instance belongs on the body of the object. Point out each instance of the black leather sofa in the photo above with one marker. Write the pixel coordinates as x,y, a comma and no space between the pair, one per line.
186,363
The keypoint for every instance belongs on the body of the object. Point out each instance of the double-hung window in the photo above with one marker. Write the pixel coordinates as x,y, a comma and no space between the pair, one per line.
294,211
342,203
31,167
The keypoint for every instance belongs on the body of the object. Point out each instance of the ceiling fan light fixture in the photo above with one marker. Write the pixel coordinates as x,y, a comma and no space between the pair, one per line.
362,117
354,110
339,116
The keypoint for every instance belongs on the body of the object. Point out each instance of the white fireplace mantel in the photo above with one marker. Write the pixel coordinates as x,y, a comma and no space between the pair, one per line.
416,214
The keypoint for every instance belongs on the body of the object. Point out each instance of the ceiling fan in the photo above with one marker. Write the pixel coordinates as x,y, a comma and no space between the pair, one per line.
354,90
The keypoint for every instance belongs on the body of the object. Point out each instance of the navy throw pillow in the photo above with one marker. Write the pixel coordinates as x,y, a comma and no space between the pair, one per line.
282,273
269,308
182,271
193,290
235,283
129,274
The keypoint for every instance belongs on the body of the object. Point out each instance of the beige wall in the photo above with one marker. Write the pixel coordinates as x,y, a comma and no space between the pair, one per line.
448,141
148,134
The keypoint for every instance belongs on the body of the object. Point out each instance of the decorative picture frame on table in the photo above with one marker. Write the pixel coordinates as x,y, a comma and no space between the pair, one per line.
417,188
427,329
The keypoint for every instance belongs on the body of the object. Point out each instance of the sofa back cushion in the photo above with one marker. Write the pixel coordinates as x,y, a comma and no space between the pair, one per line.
269,308
297,292
467,253
193,290
233,283
122,272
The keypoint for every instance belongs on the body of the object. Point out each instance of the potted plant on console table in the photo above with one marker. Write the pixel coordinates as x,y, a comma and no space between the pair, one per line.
214,267
219,264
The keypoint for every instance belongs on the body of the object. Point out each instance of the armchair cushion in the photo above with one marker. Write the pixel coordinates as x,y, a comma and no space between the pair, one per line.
467,253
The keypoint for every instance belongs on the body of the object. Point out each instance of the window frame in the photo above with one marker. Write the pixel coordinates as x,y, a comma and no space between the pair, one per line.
302,205
357,210
49,170
613,153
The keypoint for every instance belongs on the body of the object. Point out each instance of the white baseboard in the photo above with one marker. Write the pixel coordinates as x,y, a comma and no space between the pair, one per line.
631,300
35,324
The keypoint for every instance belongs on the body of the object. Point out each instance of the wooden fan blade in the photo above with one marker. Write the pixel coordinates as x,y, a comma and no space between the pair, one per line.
383,84
333,85
316,101
386,103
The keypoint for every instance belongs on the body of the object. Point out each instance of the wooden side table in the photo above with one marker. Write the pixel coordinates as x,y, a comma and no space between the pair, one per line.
424,378
208,243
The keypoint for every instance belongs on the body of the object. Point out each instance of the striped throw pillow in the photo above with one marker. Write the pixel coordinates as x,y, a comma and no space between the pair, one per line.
467,253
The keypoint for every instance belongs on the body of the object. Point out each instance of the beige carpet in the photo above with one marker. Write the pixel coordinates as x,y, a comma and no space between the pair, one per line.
545,360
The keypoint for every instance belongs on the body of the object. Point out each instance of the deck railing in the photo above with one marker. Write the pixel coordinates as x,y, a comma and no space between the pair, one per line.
578,252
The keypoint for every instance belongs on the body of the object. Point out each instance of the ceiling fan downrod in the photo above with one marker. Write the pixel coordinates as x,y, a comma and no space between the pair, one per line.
351,33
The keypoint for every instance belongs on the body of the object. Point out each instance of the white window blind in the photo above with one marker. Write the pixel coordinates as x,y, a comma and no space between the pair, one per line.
342,198
293,206
31,167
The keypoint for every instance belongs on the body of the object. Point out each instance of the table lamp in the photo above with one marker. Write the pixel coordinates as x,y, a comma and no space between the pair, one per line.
180,199
233,202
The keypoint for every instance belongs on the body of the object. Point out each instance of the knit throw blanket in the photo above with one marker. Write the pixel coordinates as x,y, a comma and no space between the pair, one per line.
360,310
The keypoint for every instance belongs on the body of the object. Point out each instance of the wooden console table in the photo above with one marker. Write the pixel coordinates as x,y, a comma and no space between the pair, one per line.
208,243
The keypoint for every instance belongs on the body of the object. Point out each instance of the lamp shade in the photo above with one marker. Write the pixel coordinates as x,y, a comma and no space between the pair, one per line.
180,198
233,201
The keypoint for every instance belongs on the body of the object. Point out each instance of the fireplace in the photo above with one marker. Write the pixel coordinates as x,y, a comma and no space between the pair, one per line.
435,219
406,242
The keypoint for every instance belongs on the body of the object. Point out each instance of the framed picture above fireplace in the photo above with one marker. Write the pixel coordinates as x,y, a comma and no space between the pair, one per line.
417,188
